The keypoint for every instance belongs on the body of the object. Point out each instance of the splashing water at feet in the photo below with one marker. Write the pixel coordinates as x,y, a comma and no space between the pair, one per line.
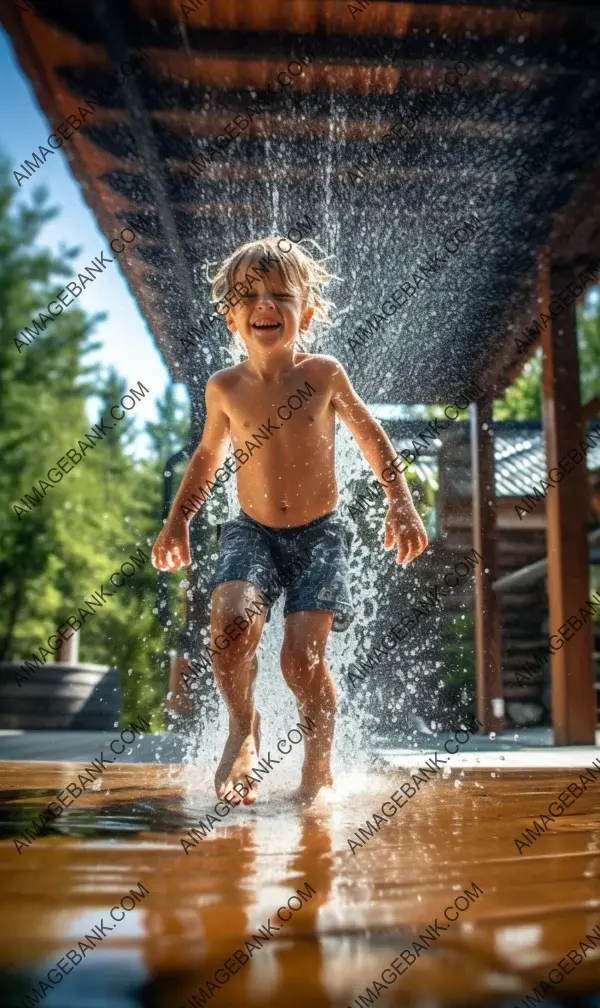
212,753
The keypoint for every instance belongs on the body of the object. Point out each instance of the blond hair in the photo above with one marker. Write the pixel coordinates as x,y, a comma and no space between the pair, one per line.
302,273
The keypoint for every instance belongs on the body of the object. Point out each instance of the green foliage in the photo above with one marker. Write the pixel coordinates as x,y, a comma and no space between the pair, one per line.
523,399
105,508
423,494
170,433
459,666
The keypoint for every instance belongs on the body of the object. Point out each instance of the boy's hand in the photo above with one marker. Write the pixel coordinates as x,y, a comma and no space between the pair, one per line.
172,547
404,529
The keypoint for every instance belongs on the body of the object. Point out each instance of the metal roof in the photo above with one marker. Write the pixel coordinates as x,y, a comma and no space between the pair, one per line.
518,450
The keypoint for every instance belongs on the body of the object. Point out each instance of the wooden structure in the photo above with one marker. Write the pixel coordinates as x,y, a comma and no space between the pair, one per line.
574,701
509,132
522,590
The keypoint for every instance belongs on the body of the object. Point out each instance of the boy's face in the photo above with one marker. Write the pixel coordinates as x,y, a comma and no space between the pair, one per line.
269,314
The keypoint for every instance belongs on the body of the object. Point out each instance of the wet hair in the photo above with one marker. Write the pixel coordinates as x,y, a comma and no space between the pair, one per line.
302,273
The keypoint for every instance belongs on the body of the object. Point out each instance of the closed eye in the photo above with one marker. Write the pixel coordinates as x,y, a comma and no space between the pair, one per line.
284,296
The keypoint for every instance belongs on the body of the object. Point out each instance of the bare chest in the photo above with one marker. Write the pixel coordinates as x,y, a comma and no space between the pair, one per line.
275,407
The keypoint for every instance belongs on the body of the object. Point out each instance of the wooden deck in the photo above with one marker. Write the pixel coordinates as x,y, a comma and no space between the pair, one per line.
369,903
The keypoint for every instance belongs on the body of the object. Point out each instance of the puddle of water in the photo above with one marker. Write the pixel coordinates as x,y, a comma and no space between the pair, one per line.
367,907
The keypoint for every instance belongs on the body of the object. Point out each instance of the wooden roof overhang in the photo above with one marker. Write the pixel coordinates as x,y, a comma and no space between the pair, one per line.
531,71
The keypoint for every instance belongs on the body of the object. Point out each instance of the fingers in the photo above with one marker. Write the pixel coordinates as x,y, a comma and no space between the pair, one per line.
174,557
158,558
410,545
403,555
161,558
166,560
171,556
180,555
409,539
417,542
392,537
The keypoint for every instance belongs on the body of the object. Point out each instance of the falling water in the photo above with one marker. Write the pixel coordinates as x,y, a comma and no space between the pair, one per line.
399,700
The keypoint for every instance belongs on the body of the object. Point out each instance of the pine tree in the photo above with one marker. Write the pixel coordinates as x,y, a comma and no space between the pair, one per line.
104,509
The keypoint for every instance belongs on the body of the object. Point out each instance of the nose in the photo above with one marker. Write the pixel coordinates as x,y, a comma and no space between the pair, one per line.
265,300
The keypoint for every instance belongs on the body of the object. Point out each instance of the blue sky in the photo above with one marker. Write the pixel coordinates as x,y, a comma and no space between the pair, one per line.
126,341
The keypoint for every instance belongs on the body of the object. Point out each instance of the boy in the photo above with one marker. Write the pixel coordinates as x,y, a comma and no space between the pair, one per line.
288,495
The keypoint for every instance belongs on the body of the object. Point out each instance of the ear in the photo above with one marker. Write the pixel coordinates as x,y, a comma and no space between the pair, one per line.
229,321
306,319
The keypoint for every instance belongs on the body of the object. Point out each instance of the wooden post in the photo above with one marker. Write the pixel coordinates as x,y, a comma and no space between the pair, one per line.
567,507
68,649
490,700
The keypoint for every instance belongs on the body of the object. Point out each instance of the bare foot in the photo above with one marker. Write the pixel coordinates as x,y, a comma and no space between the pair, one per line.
313,801
316,785
239,756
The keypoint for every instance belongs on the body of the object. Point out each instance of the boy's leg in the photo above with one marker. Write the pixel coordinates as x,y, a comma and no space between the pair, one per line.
305,672
235,670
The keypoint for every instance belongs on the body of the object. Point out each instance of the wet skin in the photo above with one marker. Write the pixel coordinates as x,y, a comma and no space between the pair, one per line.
289,481
306,673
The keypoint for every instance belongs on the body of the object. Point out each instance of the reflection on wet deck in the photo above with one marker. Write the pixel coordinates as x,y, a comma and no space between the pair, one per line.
368,906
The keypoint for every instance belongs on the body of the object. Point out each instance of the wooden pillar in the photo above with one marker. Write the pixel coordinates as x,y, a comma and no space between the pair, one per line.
567,507
490,701
68,649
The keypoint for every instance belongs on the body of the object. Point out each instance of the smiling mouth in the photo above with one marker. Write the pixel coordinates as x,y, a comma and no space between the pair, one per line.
267,326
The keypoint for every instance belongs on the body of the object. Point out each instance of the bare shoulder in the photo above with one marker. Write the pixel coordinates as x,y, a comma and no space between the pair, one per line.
224,381
321,366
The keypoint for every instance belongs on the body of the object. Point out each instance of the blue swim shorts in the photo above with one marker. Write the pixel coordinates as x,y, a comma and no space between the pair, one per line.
308,562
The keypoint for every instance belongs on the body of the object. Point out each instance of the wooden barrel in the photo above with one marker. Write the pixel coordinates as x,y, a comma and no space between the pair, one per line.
60,696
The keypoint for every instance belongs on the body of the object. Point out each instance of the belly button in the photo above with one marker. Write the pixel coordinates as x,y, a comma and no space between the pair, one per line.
284,507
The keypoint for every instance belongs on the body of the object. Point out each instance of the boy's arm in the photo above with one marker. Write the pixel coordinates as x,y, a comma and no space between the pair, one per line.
403,527
172,549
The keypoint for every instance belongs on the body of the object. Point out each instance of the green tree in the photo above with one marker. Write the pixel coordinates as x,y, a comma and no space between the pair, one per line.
146,668
523,399
42,409
170,432
104,509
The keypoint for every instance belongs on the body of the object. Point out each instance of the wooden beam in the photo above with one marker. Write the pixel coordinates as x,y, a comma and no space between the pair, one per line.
567,507
490,701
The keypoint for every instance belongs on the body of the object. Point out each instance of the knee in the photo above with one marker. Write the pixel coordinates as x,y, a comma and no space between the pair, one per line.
233,641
